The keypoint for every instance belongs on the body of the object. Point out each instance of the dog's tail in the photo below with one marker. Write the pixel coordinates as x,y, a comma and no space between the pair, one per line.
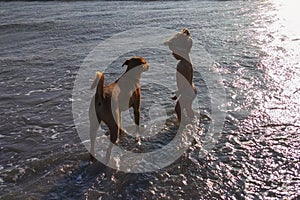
99,82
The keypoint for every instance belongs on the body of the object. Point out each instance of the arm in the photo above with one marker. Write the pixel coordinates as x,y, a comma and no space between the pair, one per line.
184,77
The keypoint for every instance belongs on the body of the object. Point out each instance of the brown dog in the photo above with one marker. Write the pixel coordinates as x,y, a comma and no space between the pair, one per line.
110,100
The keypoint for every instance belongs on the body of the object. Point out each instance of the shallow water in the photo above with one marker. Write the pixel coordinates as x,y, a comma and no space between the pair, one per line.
255,46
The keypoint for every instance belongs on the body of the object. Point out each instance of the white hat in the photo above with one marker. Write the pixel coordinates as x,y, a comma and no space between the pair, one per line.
181,44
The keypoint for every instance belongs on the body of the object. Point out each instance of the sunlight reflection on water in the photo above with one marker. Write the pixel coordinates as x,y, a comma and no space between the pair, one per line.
288,13
282,63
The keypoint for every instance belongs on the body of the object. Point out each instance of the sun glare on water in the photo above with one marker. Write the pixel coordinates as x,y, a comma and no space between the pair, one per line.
289,15
283,62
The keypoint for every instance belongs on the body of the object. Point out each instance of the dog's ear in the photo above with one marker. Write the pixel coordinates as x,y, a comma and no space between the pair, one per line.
125,63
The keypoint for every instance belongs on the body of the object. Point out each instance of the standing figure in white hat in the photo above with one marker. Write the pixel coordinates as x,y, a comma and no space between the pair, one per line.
180,44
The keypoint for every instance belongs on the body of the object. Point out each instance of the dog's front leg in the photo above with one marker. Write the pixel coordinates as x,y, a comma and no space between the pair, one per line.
136,111
137,118
108,153
136,104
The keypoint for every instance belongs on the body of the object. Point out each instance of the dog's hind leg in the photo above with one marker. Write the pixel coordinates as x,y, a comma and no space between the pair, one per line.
93,117
94,126
114,135
115,127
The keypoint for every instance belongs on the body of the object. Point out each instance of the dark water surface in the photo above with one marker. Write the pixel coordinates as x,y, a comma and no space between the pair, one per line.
256,48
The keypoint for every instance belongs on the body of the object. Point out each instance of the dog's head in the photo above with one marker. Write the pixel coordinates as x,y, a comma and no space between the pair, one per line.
138,63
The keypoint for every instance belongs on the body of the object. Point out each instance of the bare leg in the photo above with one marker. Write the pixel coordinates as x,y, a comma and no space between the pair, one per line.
190,111
178,111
